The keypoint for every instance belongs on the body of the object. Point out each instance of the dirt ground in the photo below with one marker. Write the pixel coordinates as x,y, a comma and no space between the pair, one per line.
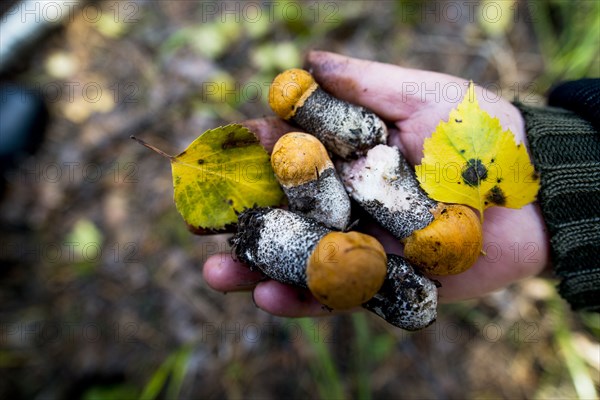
101,291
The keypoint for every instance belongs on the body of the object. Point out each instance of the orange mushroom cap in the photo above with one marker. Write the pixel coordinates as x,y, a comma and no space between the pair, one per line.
450,244
289,91
346,269
299,158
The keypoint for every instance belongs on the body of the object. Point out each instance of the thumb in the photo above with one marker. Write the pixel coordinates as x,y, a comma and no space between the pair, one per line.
391,91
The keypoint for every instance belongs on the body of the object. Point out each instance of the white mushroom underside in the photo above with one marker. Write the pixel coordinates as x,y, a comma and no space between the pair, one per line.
377,177
385,185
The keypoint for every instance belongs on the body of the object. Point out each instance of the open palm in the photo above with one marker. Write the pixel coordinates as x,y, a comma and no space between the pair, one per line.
413,102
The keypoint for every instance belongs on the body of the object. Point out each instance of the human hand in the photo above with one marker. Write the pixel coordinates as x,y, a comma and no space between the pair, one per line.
413,102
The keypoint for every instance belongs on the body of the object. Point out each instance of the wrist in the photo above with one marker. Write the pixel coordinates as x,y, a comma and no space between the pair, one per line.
566,152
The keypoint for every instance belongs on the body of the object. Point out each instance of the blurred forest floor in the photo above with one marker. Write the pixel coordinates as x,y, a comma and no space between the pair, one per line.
101,293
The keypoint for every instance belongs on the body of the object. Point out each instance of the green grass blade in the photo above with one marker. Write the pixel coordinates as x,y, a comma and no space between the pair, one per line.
158,380
362,344
324,371
179,371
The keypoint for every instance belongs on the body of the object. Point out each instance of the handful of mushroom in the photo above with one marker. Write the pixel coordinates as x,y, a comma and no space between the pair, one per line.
308,245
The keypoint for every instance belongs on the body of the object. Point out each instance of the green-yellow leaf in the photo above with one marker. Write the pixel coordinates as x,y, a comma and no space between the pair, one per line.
471,160
221,173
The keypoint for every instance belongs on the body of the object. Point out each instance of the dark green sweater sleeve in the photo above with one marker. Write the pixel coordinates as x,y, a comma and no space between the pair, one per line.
565,149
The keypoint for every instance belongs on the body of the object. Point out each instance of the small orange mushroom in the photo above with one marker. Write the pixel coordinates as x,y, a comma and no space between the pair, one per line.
308,178
289,91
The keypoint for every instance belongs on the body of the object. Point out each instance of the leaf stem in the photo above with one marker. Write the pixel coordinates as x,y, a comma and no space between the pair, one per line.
154,149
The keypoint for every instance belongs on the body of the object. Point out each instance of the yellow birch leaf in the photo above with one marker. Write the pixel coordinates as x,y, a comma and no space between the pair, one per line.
220,174
471,160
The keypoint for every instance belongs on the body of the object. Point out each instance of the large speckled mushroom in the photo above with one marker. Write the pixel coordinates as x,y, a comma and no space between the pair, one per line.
342,269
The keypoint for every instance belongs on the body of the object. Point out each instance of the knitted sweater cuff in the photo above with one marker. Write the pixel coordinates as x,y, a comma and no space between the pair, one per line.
566,152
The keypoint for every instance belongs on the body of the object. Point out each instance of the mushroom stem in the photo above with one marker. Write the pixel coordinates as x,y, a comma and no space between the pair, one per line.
277,242
407,299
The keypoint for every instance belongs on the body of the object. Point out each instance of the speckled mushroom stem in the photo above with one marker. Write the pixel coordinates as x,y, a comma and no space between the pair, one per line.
323,199
277,242
385,185
345,129
407,299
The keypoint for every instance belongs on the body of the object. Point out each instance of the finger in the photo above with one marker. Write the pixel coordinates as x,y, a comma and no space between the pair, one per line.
224,274
287,301
410,142
392,92
268,130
